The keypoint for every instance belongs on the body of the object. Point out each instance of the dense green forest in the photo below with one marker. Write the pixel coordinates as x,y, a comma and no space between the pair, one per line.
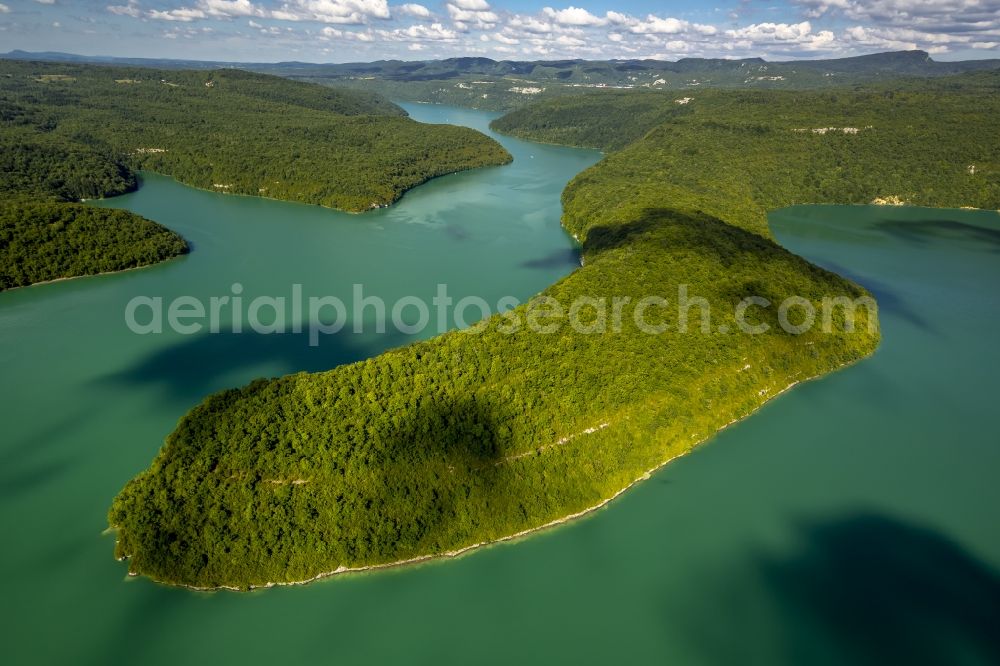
236,132
70,132
469,438
738,154
44,234
47,241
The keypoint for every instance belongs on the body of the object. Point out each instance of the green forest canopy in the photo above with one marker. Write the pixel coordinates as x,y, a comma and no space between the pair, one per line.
465,439
70,132
237,132
46,241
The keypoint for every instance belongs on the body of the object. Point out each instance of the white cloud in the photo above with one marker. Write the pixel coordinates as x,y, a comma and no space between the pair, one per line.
476,13
230,8
654,25
890,39
475,26
942,16
530,24
46,2
759,32
920,36
182,14
782,37
471,5
131,9
505,39
186,33
817,8
334,11
347,35
4,9
618,19
573,16
203,9
414,10
351,12
650,36
566,40
936,26
421,32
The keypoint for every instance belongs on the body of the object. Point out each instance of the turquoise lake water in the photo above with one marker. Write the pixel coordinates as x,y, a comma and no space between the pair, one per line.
852,520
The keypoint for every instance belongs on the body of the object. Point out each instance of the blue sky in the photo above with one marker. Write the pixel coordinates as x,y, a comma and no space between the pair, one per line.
358,30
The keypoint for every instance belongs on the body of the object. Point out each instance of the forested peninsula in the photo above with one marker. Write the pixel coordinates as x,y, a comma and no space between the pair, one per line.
471,438
70,132
45,233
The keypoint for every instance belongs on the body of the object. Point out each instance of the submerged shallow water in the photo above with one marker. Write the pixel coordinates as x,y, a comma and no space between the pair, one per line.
851,520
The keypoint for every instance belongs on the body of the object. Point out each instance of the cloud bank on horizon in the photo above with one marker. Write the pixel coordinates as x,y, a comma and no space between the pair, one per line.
358,30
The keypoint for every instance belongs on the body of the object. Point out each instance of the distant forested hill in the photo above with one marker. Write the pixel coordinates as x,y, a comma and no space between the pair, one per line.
930,143
506,84
73,131
235,131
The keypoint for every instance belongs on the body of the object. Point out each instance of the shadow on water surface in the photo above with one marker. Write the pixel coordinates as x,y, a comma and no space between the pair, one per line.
23,478
871,589
556,259
886,296
456,232
31,462
156,606
194,365
897,593
929,232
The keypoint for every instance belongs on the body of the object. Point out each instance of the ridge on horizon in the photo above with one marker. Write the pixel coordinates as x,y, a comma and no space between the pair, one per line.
915,56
